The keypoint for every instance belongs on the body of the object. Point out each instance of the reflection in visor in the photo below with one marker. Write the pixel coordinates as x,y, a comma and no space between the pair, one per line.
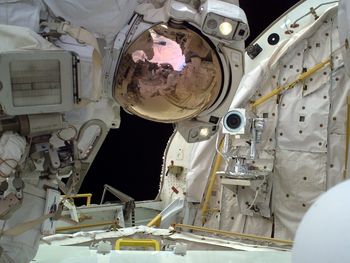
168,75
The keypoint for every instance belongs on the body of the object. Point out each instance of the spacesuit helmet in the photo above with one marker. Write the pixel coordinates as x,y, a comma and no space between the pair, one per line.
180,64
169,73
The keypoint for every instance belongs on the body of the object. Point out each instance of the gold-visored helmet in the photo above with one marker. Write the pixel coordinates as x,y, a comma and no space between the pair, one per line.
168,74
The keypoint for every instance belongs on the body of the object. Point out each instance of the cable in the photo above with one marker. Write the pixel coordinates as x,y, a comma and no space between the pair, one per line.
255,197
257,193
223,140
312,12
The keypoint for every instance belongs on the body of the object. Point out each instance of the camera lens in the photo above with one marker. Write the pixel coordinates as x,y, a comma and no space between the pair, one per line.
233,121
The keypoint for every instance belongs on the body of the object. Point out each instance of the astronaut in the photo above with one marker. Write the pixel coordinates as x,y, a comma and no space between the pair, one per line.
67,66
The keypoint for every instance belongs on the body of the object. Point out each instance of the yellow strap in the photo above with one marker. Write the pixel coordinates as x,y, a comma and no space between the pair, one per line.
24,227
301,78
137,243
28,225
83,36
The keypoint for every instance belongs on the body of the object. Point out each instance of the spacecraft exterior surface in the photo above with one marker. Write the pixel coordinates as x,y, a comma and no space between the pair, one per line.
259,133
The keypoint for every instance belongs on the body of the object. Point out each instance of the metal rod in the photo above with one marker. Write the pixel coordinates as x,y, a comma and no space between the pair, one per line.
88,197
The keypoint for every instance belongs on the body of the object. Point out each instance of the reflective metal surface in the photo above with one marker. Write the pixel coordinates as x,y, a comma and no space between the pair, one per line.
168,74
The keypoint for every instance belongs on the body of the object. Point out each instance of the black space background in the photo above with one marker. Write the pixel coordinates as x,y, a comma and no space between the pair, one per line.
131,157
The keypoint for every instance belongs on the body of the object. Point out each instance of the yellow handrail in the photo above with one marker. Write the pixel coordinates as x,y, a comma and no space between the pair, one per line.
77,227
212,179
87,195
234,234
137,243
302,77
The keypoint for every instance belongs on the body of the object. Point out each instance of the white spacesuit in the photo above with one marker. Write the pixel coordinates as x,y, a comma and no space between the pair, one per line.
63,64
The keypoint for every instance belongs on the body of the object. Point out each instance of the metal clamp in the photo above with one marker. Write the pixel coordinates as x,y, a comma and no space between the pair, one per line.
55,26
